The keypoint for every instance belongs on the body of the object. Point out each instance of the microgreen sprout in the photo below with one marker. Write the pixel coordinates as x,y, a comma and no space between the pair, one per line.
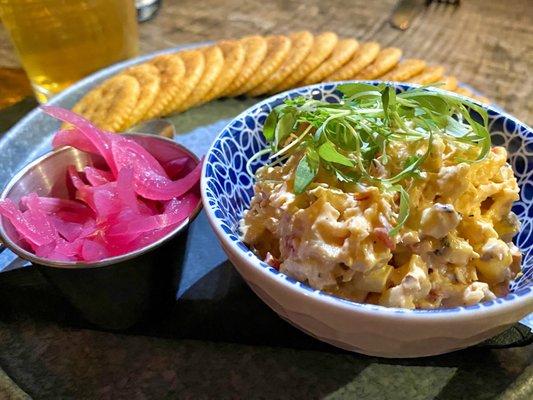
345,138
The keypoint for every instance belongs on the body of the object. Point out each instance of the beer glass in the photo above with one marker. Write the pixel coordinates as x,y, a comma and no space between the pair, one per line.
61,41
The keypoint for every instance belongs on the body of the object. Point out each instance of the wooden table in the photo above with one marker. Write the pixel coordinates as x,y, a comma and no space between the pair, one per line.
488,44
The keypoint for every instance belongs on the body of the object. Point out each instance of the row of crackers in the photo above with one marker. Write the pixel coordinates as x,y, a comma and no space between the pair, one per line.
253,66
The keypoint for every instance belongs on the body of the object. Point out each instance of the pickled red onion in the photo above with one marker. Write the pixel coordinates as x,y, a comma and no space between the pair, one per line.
37,231
99,139
53,205
179,210
110,212
97,176
176,166
92,250
74,138
125,193
66,210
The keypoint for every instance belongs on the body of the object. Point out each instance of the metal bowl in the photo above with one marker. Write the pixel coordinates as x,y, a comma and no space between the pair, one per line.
115,292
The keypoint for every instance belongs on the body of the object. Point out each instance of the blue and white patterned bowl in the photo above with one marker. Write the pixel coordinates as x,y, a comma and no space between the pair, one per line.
370,329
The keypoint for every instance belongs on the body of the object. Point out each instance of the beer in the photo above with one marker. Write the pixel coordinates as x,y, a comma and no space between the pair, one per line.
61,41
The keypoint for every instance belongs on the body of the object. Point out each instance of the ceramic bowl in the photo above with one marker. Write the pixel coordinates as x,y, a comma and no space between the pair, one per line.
364,328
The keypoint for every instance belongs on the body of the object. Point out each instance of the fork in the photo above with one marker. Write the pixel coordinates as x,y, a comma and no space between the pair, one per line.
406,9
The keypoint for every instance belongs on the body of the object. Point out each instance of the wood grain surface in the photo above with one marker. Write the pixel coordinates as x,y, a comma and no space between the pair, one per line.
486,43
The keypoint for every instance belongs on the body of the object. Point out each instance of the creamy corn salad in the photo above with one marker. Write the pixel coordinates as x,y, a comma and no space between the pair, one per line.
454,247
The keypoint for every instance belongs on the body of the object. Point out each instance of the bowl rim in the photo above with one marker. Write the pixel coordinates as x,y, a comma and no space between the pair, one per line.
512,301
27,255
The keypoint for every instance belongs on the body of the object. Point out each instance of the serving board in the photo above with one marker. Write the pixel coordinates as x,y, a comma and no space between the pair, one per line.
209,286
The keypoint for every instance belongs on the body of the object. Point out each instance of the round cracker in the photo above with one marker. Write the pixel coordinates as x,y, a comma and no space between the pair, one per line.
194,62
109,105
482,99
463,91
277,49
214,61
322,48
404,70
450,83
171,70
255,49
343,51
301,44
234,56
364,56
431,74
148,77
384,62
